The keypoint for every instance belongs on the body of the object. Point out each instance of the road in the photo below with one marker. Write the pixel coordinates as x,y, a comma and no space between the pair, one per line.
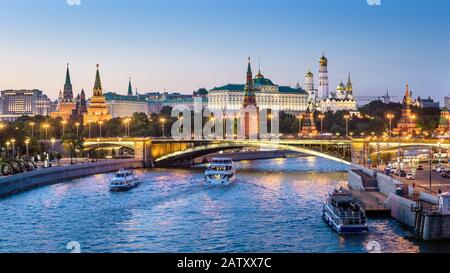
422,181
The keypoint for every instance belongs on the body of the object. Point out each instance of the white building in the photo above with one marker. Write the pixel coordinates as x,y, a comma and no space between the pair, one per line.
324,100
121,106
269,96
16,103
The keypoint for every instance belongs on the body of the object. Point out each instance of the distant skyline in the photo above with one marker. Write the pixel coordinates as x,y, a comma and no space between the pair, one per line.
183,45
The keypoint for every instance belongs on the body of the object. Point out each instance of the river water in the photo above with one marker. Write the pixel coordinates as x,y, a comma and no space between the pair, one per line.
275,206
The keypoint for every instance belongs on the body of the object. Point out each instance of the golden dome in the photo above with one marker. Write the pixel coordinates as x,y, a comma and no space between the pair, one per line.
323,60
309,74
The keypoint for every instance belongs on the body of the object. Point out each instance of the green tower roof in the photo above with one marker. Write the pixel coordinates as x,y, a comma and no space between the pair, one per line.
98,82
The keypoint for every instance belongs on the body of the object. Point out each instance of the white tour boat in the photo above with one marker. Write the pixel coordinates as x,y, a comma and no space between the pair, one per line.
221,171
124,180
345,213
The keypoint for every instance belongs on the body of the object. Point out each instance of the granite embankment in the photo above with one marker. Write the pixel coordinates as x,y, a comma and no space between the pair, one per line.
28,180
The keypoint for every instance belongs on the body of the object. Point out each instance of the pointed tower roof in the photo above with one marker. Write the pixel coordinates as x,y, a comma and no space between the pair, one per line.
98,82
68,81
249,68
130,89
349,81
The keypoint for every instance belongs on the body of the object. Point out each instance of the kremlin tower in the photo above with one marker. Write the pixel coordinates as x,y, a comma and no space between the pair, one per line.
97,109
323,91
67,106
251,118
407,124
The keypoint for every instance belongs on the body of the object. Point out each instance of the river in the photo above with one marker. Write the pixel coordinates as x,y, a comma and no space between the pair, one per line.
275,206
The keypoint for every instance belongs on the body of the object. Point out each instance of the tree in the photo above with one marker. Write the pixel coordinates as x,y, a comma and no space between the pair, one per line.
72,143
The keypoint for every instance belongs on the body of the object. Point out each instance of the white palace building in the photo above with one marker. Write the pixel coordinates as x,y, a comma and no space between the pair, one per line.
285,98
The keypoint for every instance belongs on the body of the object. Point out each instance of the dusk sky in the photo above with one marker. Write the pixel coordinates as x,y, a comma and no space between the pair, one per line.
181,45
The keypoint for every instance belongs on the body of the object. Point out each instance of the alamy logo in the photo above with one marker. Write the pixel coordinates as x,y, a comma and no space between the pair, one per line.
73,2
74,247
374,2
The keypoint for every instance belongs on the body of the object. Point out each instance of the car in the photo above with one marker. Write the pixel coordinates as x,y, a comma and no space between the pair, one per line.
446,174
410,176
441,169
420,168
393,169
402,173
435,168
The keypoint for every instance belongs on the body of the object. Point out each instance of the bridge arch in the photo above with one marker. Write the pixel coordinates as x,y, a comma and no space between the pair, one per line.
209,148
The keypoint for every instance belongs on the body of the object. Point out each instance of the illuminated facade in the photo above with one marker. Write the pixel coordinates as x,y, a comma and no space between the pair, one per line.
16,103
308,124
97,109
407,124
444,122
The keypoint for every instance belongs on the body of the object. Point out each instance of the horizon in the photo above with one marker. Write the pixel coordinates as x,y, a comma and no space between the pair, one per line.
181,46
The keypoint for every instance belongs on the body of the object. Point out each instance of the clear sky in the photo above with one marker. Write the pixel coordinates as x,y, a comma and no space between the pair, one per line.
181,45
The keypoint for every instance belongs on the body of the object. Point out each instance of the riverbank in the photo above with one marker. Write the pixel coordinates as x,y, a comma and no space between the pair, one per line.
29,180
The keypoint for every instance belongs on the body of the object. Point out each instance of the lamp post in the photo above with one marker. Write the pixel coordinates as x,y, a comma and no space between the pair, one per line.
100,124
64,123
53,141
46,126
8,143
163,123
13,146
32,124
321,116
347,117
300,117
27,142
127,126
390,117
78,128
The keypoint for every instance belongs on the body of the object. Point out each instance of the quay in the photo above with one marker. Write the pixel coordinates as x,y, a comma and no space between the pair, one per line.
29,180
428,215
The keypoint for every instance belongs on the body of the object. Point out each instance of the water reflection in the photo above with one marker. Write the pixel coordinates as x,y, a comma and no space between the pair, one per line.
274,207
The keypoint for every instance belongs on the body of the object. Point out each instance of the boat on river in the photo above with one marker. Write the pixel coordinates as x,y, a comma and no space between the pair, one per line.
345,213
124,180
221,171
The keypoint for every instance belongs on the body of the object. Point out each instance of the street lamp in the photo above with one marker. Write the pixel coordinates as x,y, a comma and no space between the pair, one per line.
46,127
13,142
53,141
8,143
2,126
300,117
127,126
390,117
64,123
77,124
27,142
347,117
100,124
163,123
32,124
321,116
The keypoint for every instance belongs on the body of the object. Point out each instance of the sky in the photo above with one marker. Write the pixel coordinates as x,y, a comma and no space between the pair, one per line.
182,45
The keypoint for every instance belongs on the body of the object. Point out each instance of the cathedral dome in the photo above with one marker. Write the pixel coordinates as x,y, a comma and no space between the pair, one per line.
341,87
323,60
309,74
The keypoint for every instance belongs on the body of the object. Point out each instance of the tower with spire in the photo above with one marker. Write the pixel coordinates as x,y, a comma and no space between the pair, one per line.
349,87
67,106
130,88
251,118
308,126
68,91
323,90
98,109
407,124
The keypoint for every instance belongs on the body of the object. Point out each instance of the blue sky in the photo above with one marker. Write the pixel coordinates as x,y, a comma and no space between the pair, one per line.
181,45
